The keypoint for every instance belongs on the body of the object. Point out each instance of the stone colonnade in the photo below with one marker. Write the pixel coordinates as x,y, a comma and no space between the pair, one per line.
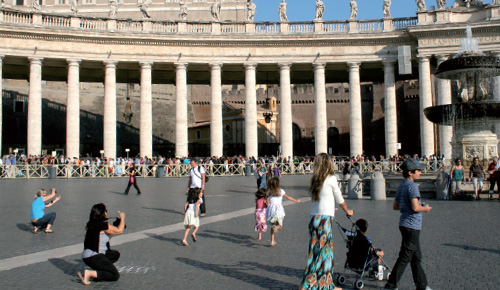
216,122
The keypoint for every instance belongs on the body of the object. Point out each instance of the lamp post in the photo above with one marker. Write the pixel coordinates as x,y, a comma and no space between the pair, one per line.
102,154
127,150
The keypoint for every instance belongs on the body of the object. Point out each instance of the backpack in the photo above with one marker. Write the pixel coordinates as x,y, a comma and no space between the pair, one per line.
206,176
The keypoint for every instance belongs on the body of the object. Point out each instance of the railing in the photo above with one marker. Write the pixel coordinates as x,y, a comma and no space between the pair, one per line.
30,171
130,25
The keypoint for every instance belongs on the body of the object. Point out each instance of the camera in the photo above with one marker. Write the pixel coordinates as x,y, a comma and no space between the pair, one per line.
117,222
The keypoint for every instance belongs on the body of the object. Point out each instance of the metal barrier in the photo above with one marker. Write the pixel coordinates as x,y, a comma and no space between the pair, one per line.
33,171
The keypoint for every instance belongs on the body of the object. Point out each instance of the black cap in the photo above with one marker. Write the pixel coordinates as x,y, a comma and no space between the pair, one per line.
412,164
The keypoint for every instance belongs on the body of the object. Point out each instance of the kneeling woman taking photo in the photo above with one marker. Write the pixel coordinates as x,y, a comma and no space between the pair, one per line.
97,254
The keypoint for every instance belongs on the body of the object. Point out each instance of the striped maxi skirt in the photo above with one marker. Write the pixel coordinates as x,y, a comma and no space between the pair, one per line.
319,270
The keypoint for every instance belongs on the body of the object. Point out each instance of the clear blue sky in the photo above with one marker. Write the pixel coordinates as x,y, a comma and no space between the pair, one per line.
304,10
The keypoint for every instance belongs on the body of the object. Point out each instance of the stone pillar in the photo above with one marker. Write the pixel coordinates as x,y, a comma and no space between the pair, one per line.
321,129
181,110
216,126
35,107
1,103
73,110
444,98
391,114
355,114
286,127
496,96
110,109
146,121
425,88
251,129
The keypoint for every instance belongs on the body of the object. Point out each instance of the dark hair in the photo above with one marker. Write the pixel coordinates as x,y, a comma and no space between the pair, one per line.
406,173
456,160
260,193
362,225
97,214
192,196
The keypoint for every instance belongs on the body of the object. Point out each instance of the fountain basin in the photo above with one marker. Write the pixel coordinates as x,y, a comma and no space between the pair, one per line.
454,68
463,112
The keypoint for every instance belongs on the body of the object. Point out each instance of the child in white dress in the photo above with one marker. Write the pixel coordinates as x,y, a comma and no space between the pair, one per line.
191,216
275,210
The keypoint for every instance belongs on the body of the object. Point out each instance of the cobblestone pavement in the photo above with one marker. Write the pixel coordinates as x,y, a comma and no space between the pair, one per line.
459,239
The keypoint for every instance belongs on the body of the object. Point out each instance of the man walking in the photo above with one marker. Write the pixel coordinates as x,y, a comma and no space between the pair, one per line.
197,183
407,201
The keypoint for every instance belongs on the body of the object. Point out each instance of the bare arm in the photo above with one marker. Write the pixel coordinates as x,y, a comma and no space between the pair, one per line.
54,201
112,230
395,205
415,205
189,184
348,211
291,198
50,196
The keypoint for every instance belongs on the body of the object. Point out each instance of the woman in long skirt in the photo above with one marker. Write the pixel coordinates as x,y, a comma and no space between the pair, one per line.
325,192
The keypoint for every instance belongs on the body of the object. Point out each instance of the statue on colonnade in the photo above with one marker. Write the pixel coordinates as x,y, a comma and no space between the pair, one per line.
184,11
440,4
251,8
215,9
421,6
282,11
143,6
495,2
320,9
113,7
468,3
387,8
34,5
74,6
354,9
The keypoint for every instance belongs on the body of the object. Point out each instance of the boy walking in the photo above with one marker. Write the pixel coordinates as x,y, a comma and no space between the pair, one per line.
408,203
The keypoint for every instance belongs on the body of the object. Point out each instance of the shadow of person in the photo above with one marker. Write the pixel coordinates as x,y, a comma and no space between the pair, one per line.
281,270
243,240
177,241
117,192
25,227
473,248
165,210
66,267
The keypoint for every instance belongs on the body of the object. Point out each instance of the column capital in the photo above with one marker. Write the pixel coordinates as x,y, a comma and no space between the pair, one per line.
353,64
216,65
250,65
110,63
441,58
495,53
285,65
73,62
423,58
389,62
34,59
146,64
319,65
181,65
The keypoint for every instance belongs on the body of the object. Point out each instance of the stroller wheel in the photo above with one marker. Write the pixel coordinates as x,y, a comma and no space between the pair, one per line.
388,275
341,279
359,284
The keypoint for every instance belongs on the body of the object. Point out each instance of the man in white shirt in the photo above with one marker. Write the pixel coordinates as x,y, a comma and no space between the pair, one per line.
197,183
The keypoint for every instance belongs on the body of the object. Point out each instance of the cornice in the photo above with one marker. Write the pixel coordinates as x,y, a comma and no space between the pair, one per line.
454,29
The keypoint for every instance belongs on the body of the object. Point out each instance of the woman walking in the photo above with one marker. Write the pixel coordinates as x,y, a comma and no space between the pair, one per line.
325,192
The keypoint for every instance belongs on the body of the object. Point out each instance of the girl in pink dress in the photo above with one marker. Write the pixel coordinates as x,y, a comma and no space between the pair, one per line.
260,212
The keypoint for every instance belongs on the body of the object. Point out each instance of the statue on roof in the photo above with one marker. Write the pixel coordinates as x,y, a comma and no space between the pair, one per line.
74,6
354,9
468,3
144,6
440,4
251,8
421,5
113,7
215,9
320,9
34,5
184,11
495,2
282,11
387,8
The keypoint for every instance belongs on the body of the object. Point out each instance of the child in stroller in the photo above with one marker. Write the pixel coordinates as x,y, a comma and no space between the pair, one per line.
362,257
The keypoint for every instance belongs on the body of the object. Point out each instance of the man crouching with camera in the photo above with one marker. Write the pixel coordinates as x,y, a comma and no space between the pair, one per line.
97,253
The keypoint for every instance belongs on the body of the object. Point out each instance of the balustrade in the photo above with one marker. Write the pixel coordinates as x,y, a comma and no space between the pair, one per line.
267,28
55,21
370,26
93,24
403,23
339,27
125,25
164,27
199,28
230,28
301,27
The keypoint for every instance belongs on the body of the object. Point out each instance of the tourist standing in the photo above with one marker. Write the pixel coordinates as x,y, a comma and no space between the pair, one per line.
275,211
196,184
408,202
457,175
260,212
38,218
476,175
325,193
276,171
97,253
494,171
132,180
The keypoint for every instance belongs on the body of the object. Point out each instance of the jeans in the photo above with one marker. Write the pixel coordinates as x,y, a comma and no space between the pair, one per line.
47,219
409,253
478,183
494,180
103,265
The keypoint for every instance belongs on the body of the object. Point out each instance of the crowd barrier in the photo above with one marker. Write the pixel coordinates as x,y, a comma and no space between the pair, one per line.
33,171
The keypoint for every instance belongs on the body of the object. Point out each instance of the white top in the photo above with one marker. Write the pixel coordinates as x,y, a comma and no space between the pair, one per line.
329,195
275,208
196,176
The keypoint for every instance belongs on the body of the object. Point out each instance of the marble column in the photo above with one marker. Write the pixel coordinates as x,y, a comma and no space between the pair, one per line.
251,129
286,127
35,107
181,110
216,126
355,112
1,103
496,98
110,109
391,114
321,129
444,98
425,88
73,110
146,121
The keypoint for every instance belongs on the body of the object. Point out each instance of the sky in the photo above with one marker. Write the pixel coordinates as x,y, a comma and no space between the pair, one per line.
304,10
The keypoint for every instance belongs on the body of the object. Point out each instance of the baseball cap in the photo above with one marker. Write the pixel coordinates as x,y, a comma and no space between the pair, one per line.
412,164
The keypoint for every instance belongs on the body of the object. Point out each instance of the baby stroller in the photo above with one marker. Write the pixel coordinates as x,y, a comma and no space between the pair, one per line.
361,259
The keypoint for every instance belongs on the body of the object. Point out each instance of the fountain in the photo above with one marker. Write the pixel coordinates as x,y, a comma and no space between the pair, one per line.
474,112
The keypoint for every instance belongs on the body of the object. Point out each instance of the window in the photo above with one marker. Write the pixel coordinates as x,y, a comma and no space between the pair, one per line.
87,2
18,107
19,2
61,2
198,134
227,128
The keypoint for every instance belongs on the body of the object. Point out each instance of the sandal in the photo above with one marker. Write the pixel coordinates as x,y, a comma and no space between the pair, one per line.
185,243
193,237
84,282
35,230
